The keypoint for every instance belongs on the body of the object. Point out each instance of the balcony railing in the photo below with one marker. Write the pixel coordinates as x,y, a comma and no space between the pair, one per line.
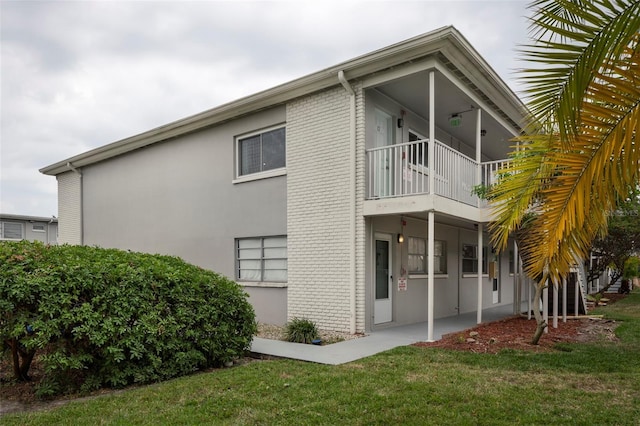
403,169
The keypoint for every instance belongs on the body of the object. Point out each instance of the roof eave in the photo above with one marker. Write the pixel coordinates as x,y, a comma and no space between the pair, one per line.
381,59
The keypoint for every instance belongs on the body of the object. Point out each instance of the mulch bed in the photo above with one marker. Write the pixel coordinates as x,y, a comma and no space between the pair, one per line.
516,333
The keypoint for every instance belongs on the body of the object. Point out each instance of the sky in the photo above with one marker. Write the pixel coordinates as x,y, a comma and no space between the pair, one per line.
76,75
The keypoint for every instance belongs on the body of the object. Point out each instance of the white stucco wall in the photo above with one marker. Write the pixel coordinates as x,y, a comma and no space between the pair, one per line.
178,197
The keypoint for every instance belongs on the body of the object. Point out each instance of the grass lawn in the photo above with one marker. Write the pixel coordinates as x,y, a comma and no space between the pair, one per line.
582,384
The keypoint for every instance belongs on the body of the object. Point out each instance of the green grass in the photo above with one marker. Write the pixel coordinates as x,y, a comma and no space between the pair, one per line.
584,384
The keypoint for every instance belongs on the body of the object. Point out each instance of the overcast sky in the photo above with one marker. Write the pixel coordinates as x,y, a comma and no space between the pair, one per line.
78,75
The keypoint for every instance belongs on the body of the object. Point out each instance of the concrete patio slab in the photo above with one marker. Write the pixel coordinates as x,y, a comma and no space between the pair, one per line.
375,342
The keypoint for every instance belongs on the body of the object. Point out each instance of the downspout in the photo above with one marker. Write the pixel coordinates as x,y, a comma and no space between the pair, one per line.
352,200
79,173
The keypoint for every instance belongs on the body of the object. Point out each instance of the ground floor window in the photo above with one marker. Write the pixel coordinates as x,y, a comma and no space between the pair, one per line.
418,255
11,230
261,259
470,259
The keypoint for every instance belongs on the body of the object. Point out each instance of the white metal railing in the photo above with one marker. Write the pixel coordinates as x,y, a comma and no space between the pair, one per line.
403,169
491,171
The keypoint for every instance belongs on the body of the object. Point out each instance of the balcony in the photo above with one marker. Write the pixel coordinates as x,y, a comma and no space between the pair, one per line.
403,170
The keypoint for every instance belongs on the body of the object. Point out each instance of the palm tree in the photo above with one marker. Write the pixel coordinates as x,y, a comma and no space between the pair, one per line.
580,152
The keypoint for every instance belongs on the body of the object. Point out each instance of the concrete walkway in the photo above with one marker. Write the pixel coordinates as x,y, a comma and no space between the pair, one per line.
375,342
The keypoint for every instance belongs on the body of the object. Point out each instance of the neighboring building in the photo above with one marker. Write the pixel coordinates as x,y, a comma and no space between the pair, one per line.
15,227
302,192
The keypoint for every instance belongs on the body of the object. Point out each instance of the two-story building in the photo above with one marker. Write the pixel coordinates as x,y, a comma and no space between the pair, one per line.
345,196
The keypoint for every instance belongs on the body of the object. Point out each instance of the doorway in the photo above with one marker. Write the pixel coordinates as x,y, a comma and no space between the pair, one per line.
382,309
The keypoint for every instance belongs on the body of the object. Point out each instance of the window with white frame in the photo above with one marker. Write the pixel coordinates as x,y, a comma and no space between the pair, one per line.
470,259
261,259
11,230
261,152
37,227
418,255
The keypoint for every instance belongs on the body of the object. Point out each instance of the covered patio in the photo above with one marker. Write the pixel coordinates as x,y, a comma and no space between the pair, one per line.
377,341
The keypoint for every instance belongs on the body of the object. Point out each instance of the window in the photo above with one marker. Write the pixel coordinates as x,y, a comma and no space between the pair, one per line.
37,228
261,259
262,152
418,256
470,259
11,230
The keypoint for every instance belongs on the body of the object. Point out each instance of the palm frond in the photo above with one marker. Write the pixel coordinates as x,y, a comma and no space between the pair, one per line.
578,38
570,190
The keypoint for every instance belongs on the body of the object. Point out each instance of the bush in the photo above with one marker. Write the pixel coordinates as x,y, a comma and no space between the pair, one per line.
112,318
301,330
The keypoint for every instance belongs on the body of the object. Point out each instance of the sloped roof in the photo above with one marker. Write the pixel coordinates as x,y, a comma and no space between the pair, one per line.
447,43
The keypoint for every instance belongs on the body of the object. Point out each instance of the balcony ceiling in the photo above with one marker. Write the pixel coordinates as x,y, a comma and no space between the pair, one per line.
413,93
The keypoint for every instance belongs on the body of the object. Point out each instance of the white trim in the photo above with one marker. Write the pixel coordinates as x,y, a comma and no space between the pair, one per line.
377,318
261,175
33,229
238,178
262,284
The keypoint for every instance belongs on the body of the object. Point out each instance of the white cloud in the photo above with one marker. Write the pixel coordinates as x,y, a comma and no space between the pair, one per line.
77,75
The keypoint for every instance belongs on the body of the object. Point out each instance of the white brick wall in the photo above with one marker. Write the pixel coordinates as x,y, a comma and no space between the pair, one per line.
318,195
69,208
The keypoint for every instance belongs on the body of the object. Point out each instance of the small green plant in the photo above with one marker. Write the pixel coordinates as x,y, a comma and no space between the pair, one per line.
595,298
481,191
301,330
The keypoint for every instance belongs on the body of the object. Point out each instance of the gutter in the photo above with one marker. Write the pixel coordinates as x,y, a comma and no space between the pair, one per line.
352,201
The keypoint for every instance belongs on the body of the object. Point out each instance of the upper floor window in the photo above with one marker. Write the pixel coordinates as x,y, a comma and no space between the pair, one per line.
261,152
261,259
11,230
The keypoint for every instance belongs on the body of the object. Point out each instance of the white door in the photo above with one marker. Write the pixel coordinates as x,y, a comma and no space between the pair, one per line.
384,280
383,158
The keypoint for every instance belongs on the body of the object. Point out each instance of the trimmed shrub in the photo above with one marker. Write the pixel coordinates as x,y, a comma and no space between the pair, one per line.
301,330
112,318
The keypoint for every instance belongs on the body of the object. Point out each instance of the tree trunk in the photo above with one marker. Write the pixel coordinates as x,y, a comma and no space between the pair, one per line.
20,369
27,358
541,323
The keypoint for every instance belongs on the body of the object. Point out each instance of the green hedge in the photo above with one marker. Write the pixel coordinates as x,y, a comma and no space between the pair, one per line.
105,317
